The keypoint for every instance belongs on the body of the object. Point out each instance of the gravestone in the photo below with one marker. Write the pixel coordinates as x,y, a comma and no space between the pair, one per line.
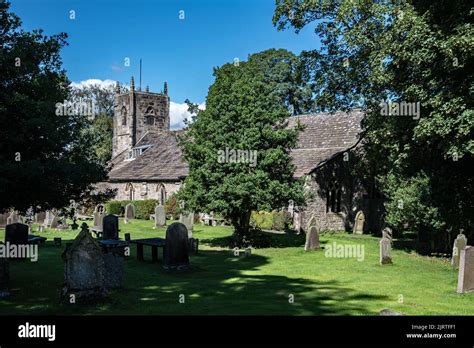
84,268
359,223
39,217
176,253
160,216
4,278
459,243
193,245
16,233
3,219
466,270
113,270
13,218
297,222
51,220
129,212
385,251
98,220
110,228
187,219
99,208
387,233
312,235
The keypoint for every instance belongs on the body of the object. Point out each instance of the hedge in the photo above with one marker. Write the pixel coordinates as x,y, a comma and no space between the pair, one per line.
143,209
275,220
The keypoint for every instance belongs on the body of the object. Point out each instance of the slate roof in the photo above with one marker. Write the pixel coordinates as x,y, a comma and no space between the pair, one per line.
163,161
325,135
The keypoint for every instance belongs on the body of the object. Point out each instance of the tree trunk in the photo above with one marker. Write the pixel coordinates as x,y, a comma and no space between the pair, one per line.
241,227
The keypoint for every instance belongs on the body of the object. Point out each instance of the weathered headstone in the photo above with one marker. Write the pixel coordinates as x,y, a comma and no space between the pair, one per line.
51,220
40,217
312,235
16,233
129,212
466,270
110,228
176,253
359,223
297,222
459,243
98,221
160,216
187,219
3,220
84,268
387,233
385,251
4,278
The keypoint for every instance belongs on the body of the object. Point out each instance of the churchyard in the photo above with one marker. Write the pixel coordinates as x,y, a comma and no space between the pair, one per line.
283,279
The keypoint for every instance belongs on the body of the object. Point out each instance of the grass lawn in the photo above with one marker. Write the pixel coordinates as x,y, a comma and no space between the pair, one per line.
220,283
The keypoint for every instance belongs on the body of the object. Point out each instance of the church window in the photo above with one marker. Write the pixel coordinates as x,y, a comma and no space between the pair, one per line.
160,188
333,197
130,191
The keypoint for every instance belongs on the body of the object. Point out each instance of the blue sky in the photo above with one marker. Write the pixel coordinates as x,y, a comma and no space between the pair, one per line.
180,51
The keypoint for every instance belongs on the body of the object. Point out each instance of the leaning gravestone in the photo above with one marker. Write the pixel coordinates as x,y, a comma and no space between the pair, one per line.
160,216
459,243
312,235
84,268
129,212
187,219
110,228
359,223
4,277
176,253
385,251
466,270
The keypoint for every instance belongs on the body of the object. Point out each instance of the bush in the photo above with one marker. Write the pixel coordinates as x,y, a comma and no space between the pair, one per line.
275,220
172,207
114,207
143,209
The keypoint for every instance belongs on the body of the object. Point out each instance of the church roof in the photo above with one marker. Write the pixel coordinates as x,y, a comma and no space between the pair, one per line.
163,161
325,135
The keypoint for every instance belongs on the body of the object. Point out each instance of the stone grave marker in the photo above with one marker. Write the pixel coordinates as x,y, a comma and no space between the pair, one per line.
84,268
466,270
176,253
459,243
387,233
359,223
110,227
16,233
129,212
385,251
113,262
3,219
160,216
13,218
98,221
40,217
187,219
312,235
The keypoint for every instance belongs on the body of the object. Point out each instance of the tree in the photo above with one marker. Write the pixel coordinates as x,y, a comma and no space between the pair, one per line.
246,109
100,127
45,159
402,51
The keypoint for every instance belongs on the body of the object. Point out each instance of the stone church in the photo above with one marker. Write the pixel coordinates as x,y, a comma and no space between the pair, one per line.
148,164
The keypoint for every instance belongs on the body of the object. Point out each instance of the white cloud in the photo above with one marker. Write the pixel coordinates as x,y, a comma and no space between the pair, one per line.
179,112
90,82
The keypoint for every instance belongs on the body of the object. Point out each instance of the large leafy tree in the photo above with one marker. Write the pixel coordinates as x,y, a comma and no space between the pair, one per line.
246,109
45,159
411,51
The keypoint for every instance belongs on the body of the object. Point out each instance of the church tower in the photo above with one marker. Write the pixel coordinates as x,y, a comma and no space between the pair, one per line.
136,113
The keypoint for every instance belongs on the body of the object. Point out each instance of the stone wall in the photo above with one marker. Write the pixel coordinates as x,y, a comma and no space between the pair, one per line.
143,190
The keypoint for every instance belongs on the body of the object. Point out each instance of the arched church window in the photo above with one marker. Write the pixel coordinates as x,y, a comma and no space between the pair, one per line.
150,116
124,116
130,191
160,188
333,197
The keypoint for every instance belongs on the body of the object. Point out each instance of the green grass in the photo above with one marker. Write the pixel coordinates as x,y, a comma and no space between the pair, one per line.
220,283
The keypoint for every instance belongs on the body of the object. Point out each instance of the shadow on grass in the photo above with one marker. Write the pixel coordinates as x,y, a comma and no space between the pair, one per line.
218,283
